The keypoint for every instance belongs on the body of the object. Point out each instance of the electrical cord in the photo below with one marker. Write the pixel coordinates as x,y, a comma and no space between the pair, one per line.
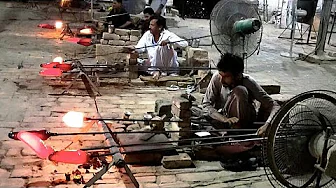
317,46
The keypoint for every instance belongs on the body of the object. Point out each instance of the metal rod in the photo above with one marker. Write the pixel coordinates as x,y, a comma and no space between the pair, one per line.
156,132
171,141
118,159
206,123
323,28
142,66
92,14
121,119
115,15
205,36
134,66
184,146
185,140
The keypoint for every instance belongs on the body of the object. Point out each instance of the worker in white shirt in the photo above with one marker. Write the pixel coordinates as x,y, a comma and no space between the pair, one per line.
159,44
158,6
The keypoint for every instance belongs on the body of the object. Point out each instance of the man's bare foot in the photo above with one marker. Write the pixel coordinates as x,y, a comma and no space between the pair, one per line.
156,75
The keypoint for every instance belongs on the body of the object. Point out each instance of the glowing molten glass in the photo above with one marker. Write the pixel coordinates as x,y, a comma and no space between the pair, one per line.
85,42
49,65
70,157
74,119
42,134
64,66
54,72
86,31
59,25
58,59
34,142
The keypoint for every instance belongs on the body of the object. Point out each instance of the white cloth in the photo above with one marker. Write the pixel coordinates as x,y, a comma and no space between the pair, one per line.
159,56
156,4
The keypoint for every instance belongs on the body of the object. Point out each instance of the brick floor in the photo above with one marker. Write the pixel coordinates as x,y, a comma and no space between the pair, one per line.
25,105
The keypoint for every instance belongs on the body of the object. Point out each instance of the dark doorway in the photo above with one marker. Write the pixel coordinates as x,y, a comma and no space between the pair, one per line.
195,8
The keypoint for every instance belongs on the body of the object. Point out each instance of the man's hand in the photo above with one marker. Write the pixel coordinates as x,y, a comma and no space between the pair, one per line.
231,120
158,11
156,75
262,130
164,42
129,49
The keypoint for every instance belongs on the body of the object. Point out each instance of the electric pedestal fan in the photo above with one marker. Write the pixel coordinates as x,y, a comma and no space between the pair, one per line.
297,147
235,27
299,140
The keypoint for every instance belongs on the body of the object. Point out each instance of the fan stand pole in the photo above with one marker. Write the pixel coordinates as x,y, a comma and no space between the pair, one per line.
244,53
290,53
324,157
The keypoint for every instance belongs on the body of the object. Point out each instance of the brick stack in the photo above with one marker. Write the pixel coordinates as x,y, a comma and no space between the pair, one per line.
181,109
111,48
198,57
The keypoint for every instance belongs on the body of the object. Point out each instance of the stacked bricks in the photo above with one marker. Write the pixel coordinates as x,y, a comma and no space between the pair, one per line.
111,49
181,109
198,57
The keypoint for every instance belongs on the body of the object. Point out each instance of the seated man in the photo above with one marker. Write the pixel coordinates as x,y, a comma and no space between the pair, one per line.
228,100
158,42
119,16
233,92
144,24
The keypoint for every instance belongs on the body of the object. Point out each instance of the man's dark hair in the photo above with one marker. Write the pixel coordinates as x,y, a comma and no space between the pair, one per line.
161,21
149,11
119,1
231,63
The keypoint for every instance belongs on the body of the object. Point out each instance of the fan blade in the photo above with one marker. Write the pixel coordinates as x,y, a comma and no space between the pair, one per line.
70,157
34,142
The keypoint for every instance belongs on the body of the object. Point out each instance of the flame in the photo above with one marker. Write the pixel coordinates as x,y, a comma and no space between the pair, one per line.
65,3
58,59
74,119
59,25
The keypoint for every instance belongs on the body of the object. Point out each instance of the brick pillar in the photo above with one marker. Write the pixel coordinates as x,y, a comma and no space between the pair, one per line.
181,109
112,50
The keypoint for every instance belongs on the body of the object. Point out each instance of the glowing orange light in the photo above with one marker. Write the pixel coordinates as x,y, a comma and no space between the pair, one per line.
86,31
58,59
74,119
59,25
65,3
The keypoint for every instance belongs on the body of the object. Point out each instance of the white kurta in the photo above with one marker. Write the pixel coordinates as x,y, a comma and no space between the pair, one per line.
161,56
156,4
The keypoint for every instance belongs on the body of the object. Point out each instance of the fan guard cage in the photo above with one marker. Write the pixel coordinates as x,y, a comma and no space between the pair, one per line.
222,18
288,162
